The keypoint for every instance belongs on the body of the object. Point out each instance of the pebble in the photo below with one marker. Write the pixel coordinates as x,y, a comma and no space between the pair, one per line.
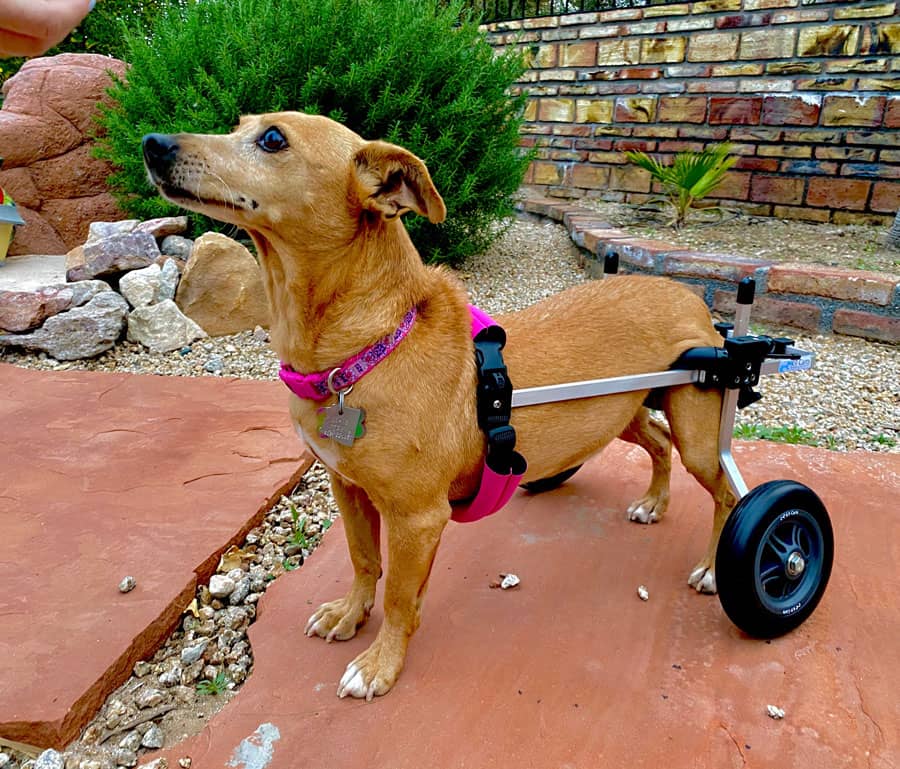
214,365
124,757
508,581
5,760
153,738
241,591
193,653
775,712
50,759
221,586
643,593
127,584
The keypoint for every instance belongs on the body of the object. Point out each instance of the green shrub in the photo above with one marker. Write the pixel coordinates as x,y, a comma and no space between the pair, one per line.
418,73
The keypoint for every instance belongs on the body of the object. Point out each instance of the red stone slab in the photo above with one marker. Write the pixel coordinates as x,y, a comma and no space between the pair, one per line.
105,475
571,669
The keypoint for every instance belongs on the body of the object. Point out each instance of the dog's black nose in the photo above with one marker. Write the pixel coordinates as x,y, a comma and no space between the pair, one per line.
160,151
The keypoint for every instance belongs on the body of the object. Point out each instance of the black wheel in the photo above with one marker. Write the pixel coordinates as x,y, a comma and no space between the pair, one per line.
554,481
774,558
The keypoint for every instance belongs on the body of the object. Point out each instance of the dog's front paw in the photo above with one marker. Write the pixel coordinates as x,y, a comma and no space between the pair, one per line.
338,620
648,509
371,674
703,578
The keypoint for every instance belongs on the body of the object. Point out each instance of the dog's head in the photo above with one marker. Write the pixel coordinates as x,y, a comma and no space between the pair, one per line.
288,174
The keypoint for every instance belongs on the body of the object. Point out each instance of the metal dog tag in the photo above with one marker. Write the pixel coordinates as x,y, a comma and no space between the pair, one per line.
343,426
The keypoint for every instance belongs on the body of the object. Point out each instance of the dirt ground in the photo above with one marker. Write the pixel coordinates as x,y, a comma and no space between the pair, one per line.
855,247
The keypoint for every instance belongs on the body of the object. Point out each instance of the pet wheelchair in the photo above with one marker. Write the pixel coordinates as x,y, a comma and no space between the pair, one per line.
776,549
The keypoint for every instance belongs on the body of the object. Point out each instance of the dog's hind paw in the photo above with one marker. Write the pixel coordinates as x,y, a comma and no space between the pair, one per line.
646,510
703,579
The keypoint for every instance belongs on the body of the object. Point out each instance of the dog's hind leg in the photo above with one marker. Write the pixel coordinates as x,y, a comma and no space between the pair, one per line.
694,418
654,438
412,543
340,619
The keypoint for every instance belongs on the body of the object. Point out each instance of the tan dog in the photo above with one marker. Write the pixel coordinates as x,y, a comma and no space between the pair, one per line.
323,207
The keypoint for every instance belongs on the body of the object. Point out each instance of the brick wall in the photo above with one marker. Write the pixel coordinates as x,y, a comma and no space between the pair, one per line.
807,91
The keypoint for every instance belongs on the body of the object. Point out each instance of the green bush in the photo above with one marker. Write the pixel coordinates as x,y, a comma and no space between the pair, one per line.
418,73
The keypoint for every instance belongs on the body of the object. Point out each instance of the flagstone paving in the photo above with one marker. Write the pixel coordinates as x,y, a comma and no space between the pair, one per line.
571,669
108,475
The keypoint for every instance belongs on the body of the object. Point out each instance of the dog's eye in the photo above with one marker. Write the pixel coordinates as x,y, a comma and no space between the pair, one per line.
272,140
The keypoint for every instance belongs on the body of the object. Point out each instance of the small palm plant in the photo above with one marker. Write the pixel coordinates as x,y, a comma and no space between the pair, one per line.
690,177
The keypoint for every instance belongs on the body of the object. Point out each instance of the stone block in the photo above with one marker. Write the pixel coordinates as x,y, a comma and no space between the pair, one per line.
853,110
629,179
545,57
706,266
831,40
761,5
776,189
589,176
794,68
799,17
734,110
623,51
682,109
714,46
676,9
838,193
690,24
583,54
801,213
734,186
791,110
594,111
713,6
641,253
841,66
887,83
768,43
785,151
868,325
885,197
846,285
547,173
810,167
886,40
738,20
805,315
859,11
864,218
637,109
862,154
739,70
556,110
663,50
757,164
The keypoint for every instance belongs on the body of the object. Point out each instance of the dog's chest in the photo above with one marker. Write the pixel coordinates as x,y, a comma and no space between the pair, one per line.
325,449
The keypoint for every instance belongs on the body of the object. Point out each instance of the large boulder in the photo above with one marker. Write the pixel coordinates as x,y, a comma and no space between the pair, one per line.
82,332
46,127
221,287
162,327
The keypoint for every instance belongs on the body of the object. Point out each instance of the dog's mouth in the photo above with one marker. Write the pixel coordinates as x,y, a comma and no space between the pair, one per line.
190,199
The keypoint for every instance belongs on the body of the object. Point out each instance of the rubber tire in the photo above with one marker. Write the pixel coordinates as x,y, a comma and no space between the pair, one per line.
742,545
548,484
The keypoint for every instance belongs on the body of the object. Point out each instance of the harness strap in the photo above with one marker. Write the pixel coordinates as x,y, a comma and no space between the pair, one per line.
503,467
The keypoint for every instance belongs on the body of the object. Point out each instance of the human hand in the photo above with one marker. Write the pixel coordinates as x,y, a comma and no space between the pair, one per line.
31,27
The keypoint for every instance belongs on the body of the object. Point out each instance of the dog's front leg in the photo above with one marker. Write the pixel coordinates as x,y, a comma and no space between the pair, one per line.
412,544
341,619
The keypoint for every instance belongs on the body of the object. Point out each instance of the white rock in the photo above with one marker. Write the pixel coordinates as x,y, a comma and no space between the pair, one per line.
140,287
191,654
149,697
221,586
169,276
159,763
508,581
100,230
49,759
153,738
162,327
643,593
5,760
127,584
775,712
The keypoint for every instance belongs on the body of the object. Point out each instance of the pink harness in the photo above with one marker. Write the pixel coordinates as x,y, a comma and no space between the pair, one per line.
494,490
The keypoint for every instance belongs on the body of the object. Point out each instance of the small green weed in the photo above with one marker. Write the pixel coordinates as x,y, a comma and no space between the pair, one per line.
831,443
215,686
781,434
299,536
884,440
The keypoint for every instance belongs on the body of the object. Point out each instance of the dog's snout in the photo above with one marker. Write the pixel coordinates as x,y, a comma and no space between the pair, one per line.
160,151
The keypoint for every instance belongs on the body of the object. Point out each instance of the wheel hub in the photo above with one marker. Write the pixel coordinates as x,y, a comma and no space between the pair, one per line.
795,565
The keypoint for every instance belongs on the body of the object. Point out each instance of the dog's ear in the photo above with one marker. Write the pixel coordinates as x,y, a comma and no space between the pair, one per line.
391,181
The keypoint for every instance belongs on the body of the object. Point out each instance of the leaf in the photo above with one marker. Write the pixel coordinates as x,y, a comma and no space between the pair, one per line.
194,608
233,558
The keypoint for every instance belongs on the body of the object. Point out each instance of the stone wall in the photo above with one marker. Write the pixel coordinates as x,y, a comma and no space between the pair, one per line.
805,90
46,124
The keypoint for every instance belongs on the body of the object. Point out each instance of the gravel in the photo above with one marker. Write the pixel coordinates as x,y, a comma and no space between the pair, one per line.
850,401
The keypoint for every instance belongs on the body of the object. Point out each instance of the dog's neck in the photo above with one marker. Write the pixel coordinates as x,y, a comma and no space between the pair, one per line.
328,304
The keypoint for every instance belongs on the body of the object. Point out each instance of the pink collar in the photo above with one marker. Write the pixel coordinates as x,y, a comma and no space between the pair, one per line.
320,385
